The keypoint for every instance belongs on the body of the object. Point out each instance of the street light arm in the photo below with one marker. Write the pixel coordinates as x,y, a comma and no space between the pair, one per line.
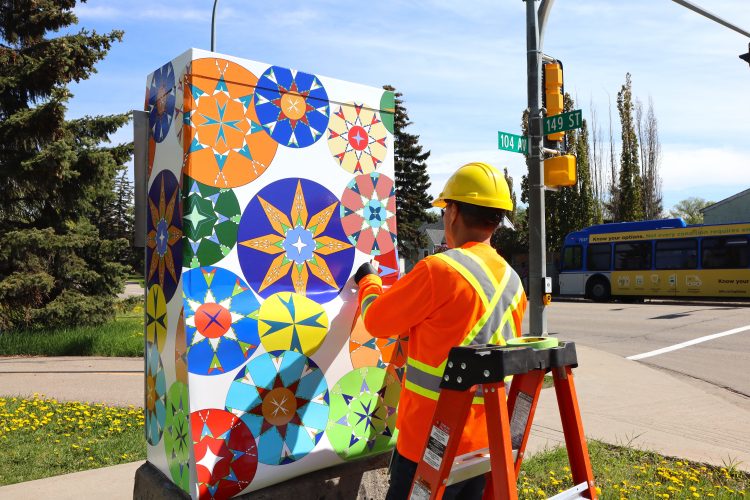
713,17
213,26
544,9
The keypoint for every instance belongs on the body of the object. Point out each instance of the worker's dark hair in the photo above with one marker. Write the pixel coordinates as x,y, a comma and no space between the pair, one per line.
478,217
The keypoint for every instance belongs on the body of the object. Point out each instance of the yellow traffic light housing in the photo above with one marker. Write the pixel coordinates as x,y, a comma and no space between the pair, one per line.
560,171
553,96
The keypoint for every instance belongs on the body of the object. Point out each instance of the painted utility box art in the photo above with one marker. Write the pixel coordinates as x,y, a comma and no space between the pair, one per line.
267,188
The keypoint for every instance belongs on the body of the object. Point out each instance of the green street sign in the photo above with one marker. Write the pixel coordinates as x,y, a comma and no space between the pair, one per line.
563,122
513,143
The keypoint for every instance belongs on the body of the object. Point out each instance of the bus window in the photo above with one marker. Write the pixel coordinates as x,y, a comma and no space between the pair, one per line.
599,257
572,258
729,252
631,256
676,254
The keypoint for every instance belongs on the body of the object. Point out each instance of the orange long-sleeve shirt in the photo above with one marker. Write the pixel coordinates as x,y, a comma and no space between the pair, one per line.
435,307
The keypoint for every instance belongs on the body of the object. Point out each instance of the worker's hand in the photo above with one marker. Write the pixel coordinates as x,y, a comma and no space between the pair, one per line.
364,270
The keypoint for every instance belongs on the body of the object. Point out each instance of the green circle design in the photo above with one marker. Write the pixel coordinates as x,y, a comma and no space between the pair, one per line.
388,109
177,435
211,217
362,416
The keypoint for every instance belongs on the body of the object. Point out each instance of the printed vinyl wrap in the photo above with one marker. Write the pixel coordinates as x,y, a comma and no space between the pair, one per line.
268,188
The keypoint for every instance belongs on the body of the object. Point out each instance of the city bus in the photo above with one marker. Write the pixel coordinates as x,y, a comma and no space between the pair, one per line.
657,258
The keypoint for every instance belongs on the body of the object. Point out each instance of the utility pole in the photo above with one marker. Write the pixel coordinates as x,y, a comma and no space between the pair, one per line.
537,235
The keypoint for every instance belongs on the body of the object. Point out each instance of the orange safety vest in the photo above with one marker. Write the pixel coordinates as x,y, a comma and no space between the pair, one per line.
478,299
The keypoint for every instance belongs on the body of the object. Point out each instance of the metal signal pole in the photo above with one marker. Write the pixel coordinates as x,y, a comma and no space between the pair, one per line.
535,23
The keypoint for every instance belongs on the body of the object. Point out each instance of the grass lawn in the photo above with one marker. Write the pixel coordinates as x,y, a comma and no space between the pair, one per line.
623,472
42,437
121,337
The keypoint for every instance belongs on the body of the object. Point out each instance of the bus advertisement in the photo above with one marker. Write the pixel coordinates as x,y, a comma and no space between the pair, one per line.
658,258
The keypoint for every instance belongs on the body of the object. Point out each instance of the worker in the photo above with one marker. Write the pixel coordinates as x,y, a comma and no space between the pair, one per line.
465,296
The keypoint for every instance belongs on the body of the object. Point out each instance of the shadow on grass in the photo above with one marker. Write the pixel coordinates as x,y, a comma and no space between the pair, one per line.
121,337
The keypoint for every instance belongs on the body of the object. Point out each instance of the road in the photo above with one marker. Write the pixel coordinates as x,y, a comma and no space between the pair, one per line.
630,330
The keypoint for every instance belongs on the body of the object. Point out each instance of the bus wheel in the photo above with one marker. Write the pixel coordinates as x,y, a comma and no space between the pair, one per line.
599,290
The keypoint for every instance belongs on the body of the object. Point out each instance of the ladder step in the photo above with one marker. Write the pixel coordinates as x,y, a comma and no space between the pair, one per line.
571,493
472,464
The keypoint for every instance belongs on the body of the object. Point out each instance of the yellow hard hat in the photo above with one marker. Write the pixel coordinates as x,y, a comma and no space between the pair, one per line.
477,184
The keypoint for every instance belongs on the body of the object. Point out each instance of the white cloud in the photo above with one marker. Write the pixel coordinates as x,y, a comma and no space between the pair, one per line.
705,172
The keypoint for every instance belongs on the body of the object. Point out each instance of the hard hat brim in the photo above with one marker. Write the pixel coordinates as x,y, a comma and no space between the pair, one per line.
439,203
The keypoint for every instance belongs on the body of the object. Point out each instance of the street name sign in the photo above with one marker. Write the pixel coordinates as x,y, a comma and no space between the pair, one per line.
563,122
513,143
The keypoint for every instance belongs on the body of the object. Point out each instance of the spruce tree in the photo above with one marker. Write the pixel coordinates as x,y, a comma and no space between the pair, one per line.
412,183
55,174
630,206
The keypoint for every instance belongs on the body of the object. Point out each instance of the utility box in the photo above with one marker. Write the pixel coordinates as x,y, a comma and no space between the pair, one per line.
267,188
560,171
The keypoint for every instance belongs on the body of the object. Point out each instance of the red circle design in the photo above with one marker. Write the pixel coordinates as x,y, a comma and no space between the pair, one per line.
212,320
226,456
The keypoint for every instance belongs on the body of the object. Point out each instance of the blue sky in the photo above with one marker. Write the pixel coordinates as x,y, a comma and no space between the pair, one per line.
462,68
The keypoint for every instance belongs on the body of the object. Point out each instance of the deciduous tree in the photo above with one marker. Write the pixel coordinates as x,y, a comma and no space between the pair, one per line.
690,209
630,204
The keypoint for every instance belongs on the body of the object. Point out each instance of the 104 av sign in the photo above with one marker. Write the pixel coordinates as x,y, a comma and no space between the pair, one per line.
512,142
563,122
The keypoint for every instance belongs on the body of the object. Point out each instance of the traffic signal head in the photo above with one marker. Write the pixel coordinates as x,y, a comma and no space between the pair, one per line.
560,171
746,57
553,96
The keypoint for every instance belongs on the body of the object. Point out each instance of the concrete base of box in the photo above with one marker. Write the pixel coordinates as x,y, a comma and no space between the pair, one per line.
365,479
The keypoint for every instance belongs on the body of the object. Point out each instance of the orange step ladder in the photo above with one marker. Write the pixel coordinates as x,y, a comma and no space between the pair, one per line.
508,423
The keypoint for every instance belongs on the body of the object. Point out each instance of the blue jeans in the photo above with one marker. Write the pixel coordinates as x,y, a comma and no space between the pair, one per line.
402,475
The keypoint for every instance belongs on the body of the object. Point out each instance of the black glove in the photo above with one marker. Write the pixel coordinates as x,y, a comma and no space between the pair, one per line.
364,270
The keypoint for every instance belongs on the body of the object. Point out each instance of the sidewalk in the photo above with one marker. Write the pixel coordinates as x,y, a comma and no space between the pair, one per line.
622,402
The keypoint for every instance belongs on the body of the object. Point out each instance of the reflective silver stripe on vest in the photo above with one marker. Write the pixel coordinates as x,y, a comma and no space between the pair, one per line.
496,318
431,382
509,292
366,303
423,379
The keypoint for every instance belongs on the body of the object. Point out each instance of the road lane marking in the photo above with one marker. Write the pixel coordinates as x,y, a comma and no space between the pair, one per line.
663,350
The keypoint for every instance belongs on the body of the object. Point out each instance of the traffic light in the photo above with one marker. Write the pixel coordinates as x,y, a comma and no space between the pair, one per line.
553,94
560,171
746,57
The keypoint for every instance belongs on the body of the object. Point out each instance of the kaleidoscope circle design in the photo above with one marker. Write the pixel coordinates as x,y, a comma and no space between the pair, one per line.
177,435
366,350
388,268
220,320
356,138
225,145
362,420
164,233
291,240
211,218
388,109
290,322
292,106
226,456
161,101
368,213
156,392
282,396
180,351
156,317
